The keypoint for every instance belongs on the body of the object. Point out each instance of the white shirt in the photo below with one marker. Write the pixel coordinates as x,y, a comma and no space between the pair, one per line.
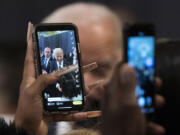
60,65
47,60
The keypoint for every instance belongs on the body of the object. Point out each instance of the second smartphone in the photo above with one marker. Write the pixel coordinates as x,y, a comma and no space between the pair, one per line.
139,52
56,47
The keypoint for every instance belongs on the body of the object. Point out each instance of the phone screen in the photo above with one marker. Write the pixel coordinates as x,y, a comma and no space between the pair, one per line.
58,49
140,55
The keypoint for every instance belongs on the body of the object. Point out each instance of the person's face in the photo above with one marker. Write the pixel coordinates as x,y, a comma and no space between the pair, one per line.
47,52
59,56
99,44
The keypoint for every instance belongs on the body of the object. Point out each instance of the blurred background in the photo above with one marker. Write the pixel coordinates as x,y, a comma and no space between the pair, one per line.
14,16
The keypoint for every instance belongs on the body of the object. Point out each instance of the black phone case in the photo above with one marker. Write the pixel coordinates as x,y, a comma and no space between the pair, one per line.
37,60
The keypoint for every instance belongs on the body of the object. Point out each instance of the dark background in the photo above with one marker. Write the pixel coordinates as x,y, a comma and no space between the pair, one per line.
15,14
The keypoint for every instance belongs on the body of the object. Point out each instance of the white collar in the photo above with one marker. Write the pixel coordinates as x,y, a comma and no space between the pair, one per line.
60,64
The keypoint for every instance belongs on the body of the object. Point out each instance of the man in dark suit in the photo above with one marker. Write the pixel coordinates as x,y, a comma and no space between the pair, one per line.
66,83
59,61
46,60
73,57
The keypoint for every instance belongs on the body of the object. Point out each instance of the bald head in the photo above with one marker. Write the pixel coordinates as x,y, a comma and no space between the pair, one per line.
100,33
81,13
89,17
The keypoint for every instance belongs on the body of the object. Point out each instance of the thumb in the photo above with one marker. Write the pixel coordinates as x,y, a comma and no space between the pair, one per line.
42,82
46,79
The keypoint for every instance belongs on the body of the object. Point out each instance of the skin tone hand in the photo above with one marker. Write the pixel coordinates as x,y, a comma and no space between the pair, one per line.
120,106
121,114
152,128
29,113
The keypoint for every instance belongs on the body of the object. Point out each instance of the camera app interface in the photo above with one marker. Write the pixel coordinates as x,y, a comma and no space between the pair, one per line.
57,49
141,57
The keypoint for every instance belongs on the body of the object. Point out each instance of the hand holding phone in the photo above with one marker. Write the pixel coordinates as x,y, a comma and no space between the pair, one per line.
29,114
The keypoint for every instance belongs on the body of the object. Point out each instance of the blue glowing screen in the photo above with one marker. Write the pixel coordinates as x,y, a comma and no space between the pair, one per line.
141,56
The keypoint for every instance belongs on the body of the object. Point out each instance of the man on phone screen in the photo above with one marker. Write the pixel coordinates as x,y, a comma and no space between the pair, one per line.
46,60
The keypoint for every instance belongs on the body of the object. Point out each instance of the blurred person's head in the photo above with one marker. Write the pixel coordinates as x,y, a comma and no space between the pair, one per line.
58,54
100,36
47,52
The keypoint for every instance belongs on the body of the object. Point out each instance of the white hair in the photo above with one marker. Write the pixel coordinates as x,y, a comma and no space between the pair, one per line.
57,50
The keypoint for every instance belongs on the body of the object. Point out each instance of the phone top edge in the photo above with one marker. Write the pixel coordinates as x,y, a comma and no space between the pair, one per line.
54,23
134,29
148,28
54,27
140,24
57,26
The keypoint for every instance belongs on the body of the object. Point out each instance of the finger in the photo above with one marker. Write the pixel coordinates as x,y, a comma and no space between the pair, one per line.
70,117
96,84
92,114
121,87
42,82
89,67
94,89
155,129
159,101
29,69
127,78
73,117
96,93
46,79
66,70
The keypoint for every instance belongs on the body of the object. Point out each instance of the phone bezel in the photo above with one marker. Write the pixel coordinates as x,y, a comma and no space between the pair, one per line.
54,27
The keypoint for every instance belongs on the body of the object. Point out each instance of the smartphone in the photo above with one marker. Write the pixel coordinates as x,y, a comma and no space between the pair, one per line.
56,46
139,53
